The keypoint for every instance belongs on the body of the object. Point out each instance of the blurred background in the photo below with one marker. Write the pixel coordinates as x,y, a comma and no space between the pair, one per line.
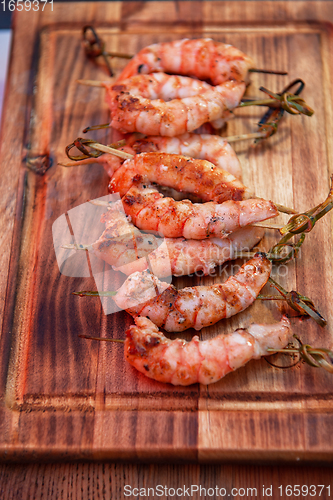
5,37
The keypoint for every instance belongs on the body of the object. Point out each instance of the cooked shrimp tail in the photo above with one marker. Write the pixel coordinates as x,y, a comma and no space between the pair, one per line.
184,363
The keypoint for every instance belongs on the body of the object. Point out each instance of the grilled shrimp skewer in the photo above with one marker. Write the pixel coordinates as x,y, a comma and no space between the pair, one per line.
198,177
137,105
201,178
128,250
200,146
150,210
200,58
143,294
161,86
184,363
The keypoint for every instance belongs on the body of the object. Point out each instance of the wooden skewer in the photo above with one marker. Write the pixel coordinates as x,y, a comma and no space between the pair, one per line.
274,101
268,71
91,83
75,246
100,203
76,163
121,55
98,83
113,151
268,226
103,149
244,137
101,338
285,210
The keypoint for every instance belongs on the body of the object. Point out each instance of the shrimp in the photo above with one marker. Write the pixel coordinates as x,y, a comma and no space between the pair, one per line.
128,250
201,256
198,177
132,112
202,58
150,210
184,363
162,86
200,146
143,294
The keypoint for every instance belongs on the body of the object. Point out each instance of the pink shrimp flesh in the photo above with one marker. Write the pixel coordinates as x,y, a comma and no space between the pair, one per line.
201,58
185,257
184,363
198,177
196,307
162,86
128,250
200,146
155,116
150,210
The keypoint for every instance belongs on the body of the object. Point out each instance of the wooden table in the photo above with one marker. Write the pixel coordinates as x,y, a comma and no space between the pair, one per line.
108,480
266,428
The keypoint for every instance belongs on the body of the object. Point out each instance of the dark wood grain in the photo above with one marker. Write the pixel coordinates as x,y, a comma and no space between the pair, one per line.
64,397
108,480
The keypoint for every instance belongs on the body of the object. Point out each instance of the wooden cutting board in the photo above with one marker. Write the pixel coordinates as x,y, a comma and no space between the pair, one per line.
63,397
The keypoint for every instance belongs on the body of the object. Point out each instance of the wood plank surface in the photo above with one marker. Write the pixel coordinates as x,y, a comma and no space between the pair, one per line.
106,480
63,397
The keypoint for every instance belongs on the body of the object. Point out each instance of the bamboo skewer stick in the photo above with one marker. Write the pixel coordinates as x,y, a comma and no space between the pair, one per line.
113,151
91,83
